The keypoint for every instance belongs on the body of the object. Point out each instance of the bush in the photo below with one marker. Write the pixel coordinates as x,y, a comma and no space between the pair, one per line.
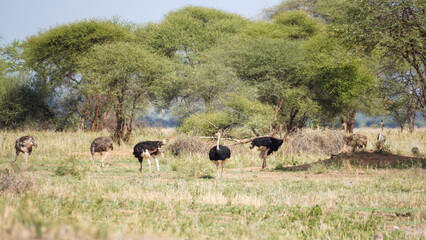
206,123
12,183
188,144
70,167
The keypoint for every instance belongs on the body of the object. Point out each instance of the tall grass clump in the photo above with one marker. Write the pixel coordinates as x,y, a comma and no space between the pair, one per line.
72,167
11,183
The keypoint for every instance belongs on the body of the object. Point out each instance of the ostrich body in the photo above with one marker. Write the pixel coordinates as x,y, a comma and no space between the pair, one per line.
415,150
147,150
355,141
381,139
25,145
266,146
100,145
219,153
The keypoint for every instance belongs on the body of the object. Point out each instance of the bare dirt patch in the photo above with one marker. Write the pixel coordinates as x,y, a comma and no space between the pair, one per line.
365,160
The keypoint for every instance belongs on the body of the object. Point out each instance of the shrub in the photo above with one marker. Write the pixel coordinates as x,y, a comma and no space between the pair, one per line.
70,167
187,144
207,123
12,183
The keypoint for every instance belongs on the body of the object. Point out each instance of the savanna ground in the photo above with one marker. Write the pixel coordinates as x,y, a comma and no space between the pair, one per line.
58,195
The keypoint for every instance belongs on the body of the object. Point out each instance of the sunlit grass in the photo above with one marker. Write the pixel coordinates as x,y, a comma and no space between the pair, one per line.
69,199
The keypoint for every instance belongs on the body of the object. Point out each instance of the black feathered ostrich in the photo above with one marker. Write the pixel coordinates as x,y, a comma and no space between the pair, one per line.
266,146
100,145
147,150
219,153
25,145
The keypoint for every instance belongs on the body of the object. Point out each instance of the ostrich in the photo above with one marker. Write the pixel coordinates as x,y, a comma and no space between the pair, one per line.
100,145
219,153
415,150
149,149
354,140
381,139
25,145
266,146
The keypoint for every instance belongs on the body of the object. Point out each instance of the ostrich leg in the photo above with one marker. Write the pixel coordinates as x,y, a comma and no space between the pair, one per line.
140,169
149,166
26,157
158,165
217,168
106,154
102,160
16,157
221,173
264,158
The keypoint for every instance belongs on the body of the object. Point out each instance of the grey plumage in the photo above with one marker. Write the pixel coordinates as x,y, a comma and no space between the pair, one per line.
25,145
101,145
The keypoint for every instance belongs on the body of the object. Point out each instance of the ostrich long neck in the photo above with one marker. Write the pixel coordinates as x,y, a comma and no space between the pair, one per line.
218,139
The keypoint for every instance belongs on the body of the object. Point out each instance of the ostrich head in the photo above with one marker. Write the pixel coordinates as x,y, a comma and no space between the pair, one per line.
33,143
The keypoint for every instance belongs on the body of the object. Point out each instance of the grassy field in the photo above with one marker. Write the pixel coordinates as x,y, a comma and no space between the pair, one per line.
58,195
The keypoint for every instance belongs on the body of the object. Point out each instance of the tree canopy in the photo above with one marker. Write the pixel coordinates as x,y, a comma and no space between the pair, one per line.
319,61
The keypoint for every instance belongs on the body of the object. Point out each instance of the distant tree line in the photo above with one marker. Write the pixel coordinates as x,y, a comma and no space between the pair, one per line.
316,61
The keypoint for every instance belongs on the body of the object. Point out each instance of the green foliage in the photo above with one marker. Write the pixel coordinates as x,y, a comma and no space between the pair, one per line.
125,74
71,167
299,24
207,123
250,113
391,29
58,49
22,101
190,30
338,78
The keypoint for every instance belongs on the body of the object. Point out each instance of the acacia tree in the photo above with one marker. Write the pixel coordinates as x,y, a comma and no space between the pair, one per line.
53,55
126,73
394,29
197,84
340,81
188,31
267,57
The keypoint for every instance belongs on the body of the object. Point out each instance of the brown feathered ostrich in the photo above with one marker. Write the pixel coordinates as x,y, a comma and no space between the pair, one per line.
147,150
25,145
101,145
355,140
219,153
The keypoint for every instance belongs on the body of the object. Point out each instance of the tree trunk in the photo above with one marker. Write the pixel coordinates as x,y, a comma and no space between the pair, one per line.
411,120
350,120
293,114
97,120
274,125
132,117
119,131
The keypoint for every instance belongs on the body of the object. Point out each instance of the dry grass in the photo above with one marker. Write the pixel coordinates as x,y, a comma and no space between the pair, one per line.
71,200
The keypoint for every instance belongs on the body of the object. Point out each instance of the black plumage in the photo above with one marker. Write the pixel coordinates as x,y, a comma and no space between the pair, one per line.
100,145
219,153
25,145
270,143
222,153
267,145
148,149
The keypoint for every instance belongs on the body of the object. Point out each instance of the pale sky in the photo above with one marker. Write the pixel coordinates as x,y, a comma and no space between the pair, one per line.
22,18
